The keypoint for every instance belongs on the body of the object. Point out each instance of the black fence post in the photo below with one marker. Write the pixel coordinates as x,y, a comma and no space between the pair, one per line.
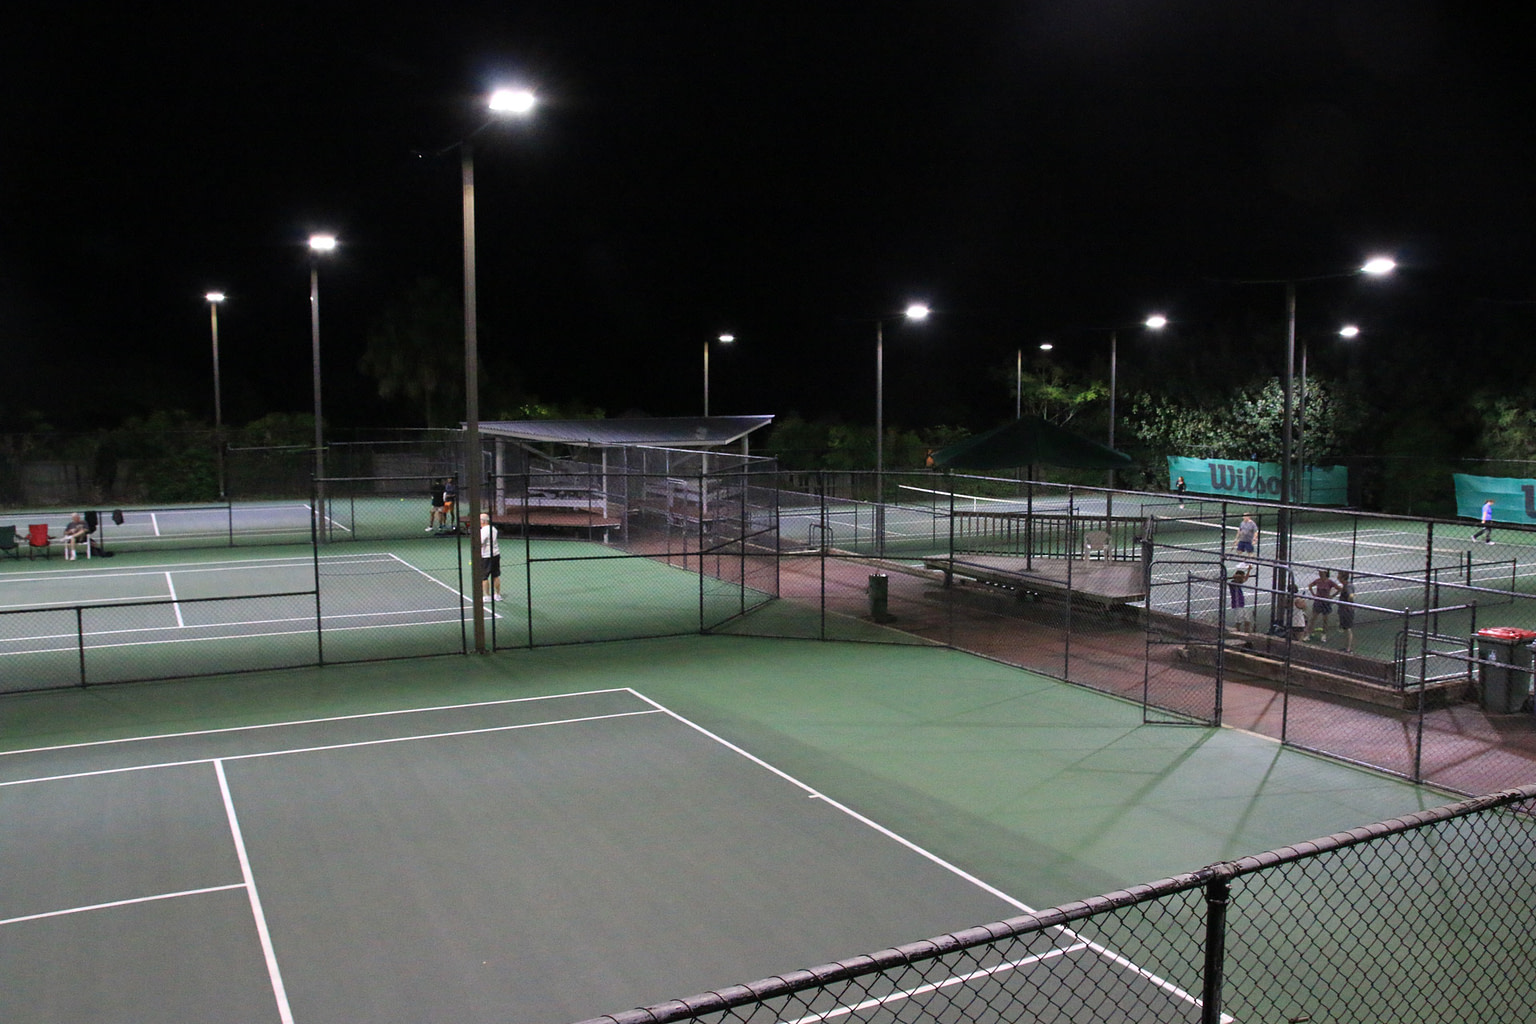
80,640
1217,894
317,512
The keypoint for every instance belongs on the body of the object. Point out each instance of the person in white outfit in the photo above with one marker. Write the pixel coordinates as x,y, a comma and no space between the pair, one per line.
490,559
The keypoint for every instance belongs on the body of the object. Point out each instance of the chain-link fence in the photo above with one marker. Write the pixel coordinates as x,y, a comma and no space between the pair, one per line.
1420,919
1153,599
363,581
669,542
1141,595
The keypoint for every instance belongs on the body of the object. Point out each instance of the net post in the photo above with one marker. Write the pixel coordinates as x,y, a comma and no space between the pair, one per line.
314,547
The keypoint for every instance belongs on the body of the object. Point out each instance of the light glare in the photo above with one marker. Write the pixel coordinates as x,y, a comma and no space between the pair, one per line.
214,296
1156,321
727,337
1378,265
917,311
322,243
1046,346
512,101
1349,331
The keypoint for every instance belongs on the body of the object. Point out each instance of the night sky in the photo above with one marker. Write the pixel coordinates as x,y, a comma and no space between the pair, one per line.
780,170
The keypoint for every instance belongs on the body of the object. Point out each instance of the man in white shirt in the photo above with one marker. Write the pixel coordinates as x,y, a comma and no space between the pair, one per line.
490,559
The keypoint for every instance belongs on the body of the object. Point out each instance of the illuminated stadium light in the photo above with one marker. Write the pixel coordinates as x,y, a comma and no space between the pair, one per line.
512,101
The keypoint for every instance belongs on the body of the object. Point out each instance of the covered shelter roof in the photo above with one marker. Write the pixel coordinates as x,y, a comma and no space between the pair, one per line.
654,432
1031,441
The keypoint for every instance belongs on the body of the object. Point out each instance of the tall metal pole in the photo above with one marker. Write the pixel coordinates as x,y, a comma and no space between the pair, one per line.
706,377
1301,429
879,437
314,336
1114,338
1282,577
218,408
472,458
1018,385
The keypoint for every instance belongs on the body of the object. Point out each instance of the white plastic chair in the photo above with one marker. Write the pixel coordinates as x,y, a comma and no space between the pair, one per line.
1096,542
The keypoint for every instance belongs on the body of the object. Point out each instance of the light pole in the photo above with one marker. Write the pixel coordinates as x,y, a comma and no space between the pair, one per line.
915,311
502,102
214,298
1347,332
724,339
1376,266
1155,322
318,245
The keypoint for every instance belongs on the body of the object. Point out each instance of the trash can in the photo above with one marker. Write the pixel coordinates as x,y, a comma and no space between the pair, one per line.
1505,674
880,595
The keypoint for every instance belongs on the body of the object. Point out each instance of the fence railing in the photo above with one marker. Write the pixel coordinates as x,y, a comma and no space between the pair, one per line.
1422,918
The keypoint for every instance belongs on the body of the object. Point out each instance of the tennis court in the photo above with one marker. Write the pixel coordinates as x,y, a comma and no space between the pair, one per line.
1406,579
494,839
182,526
170,613
164,611
478,862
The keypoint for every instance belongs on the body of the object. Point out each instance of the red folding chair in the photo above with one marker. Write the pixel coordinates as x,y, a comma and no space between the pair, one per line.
37,537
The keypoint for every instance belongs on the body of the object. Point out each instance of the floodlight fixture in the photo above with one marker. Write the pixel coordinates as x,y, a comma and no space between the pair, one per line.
726,338
512,101
1376,266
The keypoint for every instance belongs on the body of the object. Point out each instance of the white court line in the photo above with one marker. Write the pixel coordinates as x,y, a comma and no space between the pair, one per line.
656,708
328,720
319,748
958,872
170,585
121,903
308,630
901,995
279,993
227,565
413,614
454,590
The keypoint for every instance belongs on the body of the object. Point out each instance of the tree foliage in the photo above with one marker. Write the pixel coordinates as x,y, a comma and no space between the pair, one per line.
1048,391
1508,426
415,352
1248,425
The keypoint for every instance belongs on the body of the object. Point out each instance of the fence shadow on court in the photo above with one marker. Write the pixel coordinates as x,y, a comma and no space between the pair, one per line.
1423,918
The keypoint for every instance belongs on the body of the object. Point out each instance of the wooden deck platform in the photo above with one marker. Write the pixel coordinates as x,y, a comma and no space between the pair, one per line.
1108,582
514,517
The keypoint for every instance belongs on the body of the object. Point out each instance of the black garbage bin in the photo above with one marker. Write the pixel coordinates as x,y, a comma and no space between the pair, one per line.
879,597
1505,674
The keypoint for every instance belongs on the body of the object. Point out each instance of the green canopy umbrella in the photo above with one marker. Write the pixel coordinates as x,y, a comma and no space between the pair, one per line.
1027,442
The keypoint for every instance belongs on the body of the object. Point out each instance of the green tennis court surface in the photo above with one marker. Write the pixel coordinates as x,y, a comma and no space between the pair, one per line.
558,833
164,613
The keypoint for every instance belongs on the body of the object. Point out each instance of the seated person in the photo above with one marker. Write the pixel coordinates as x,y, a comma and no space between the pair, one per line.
75,533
